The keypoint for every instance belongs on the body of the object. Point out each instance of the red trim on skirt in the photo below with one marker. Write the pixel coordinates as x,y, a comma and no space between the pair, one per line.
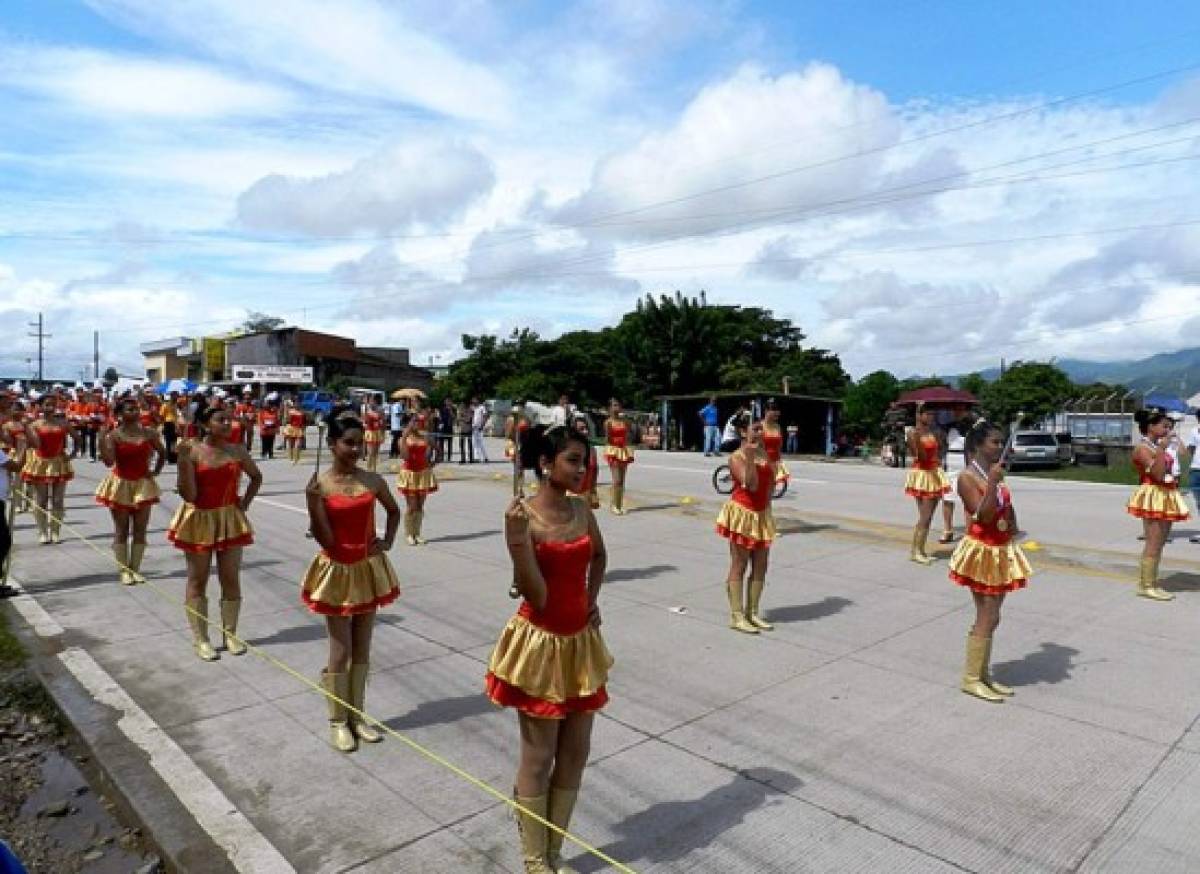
1156,517
350,609
983,589
926,496
742,540
113,505
507,695
219,546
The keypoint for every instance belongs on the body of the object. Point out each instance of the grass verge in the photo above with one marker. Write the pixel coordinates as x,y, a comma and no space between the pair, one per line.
1123,476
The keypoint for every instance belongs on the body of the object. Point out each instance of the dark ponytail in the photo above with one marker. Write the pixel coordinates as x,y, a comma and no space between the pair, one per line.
339,421
1146,418
541,442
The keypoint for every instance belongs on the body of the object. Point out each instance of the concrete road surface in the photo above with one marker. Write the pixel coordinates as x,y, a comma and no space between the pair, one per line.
838,742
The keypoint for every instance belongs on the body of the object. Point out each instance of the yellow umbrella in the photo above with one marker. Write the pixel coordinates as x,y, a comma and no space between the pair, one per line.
406,394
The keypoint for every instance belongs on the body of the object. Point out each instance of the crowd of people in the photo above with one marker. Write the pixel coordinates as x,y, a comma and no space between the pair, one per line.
550,663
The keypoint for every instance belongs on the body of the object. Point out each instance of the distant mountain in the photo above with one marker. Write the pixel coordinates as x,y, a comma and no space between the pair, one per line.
1176,373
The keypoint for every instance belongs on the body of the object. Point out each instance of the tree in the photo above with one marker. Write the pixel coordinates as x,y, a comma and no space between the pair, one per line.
974,383
111,376
868,399
1027,392
259,323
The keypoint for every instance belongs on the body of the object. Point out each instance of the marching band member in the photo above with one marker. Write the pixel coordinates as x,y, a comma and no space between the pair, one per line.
617,453
416,480
926,483
1157,501
130,491
747,522
48,467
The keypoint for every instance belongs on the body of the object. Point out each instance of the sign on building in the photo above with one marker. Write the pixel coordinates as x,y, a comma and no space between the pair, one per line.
214,355
271,373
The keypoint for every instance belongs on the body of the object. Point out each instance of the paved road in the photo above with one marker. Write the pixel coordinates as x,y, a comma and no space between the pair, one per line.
839,742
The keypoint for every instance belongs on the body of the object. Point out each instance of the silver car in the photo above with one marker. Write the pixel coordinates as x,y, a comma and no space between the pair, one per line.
1034,448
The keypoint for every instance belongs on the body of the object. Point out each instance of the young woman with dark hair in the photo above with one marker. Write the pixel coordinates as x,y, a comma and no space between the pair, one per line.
130,489
592,474
986,561
551,663
747,523
1157,501
372,434
617,453
212,520
416,480
926,481
772,441
351,578
293,432
47,467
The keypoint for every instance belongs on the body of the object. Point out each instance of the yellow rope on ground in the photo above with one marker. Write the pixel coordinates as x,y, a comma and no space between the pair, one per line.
366,717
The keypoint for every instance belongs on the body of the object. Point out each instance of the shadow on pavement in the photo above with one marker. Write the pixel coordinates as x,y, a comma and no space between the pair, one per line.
807,612
1053,663
442,712
295,634
1181,583
470,535
650,508
670,830
796,526
638,573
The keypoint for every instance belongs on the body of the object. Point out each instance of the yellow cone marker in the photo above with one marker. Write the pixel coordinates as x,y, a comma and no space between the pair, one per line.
687,499
1031,545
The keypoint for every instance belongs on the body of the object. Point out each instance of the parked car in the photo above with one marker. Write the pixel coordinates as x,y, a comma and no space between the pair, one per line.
1034,449
319,403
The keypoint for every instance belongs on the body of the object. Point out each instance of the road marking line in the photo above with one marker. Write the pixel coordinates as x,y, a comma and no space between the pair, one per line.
281,506
246,847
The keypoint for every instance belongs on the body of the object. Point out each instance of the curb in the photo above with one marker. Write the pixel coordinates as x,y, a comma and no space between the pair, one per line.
126,775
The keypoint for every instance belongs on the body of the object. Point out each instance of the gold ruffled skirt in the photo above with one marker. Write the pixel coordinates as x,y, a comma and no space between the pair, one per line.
332,588
373,437
751,529
551,668
46,470
1157,502
989,570
416,482
290,431
196,530
782,474
127,494
926,483
618,455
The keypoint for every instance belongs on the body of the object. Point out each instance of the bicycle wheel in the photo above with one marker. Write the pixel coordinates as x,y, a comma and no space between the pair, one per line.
722,480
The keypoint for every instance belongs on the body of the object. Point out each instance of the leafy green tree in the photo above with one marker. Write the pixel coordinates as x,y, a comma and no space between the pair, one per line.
1027,393
974,383
868,399
258,323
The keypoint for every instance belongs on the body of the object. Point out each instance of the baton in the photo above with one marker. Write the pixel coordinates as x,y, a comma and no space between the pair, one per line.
518,492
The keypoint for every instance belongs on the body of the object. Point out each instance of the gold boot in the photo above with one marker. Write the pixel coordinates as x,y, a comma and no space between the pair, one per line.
55,530
409,537
986,676
533,834
972,682
199,624
229,624
737,619
121,555
136,552
559,810
358,693
340,736
618,500
1148,581
43,525
752,600
418,518
917,553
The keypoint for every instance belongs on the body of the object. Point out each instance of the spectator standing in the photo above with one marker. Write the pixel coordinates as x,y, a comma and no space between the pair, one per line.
560,411
793,439
445,432
711,418
396,426
479,420
462,427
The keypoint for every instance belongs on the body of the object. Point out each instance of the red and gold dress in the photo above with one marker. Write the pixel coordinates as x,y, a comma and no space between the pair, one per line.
987,560
295,424
416,477
746,519
345,580
617,452
1154,500
926,479
129,485
216,521
15,438
510,446
373,425
591,475
773,444
552,662
48,464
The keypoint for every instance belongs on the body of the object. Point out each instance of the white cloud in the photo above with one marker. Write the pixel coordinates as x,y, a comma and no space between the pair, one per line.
126,85
356,47
412,184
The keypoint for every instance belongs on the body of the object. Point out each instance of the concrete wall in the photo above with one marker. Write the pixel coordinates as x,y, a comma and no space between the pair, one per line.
164,366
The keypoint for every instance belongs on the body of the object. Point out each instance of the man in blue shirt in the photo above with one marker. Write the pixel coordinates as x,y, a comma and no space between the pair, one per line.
712,434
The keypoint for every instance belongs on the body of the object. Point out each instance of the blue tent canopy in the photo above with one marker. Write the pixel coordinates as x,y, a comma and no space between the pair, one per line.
1170,403
179,385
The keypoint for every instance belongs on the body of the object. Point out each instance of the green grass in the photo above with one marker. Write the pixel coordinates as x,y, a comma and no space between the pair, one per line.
1123,475
11,654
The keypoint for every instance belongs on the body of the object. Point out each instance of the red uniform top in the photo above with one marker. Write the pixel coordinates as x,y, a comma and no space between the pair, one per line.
76,411
244,411
373,421
268,422
97,412
14,432
990,533
217,486
927,453
773,444
590,472
618,433
133,458
296,418
52,439
1147,480
148,416
416,456
236,431
352,518
564,566
756,500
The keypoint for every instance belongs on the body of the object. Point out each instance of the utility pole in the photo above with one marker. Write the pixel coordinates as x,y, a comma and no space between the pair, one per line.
42,336
95,354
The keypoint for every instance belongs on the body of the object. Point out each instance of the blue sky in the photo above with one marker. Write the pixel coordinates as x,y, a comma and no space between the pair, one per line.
903,179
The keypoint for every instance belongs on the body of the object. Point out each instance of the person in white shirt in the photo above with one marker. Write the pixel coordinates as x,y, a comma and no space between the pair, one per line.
479,421
1193,446
560,411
